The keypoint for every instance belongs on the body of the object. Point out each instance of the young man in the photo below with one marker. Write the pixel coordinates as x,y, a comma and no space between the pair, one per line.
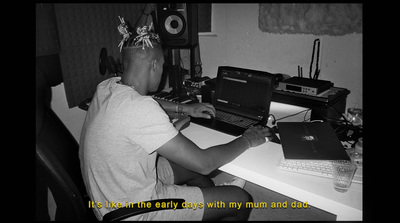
131,152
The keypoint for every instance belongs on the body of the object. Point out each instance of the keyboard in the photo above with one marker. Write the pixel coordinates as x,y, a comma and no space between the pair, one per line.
173,97
234,119
315,168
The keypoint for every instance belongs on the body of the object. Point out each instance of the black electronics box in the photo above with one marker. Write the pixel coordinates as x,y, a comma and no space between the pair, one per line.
328,106
208,90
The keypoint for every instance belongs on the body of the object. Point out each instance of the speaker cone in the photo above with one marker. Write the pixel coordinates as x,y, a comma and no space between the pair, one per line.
175,25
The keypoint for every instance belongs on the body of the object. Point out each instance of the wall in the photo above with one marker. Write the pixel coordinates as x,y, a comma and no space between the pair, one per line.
239,42
83,30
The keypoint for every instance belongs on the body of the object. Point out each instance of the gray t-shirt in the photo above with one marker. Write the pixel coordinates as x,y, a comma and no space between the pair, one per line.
119,137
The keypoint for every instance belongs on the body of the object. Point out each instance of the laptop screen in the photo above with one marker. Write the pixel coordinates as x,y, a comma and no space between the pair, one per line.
243,91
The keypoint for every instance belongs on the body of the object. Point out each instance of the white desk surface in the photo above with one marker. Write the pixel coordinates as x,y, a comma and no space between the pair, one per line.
259,165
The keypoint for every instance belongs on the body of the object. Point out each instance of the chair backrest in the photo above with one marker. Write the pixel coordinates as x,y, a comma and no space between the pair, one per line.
57,162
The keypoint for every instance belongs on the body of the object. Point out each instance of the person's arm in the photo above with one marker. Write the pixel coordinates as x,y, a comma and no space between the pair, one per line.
199,110
145,18
184,152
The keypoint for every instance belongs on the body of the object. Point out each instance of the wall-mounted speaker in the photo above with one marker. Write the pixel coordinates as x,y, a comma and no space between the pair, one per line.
178,24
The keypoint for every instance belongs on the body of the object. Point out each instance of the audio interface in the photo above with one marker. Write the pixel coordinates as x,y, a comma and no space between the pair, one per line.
305,85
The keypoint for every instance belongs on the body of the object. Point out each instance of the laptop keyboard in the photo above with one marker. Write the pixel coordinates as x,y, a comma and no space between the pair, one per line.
234,119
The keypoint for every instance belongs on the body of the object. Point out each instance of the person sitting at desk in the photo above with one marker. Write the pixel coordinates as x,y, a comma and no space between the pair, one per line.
131,152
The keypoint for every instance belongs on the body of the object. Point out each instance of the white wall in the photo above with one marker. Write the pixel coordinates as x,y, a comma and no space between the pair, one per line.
239,42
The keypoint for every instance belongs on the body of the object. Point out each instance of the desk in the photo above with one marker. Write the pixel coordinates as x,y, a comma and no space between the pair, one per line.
259,165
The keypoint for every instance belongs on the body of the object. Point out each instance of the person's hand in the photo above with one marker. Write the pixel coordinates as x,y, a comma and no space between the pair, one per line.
149,7
256,135
200,110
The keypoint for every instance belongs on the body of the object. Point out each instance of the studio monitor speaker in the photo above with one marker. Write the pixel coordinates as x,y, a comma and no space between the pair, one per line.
178,24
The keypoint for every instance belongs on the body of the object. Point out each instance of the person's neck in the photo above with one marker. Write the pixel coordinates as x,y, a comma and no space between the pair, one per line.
136,81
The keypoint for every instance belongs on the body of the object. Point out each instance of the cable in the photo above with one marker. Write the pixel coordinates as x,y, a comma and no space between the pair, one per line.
291,115
305,115
343,124
341,114
317,120
347,122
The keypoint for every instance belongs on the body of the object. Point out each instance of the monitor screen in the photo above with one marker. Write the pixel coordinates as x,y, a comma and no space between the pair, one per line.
245,90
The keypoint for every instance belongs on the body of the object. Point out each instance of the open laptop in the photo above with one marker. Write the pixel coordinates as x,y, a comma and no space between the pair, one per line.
310,141
243,96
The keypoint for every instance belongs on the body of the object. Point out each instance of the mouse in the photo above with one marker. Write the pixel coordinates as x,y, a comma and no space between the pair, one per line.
273,131
275,138
208,113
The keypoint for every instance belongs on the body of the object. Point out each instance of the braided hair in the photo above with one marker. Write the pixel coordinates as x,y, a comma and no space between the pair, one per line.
143,36
138,47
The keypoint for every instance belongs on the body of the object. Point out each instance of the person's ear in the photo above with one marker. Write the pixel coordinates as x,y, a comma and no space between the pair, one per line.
154,65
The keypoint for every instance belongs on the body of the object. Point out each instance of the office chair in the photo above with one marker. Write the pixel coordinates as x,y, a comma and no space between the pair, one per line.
58,165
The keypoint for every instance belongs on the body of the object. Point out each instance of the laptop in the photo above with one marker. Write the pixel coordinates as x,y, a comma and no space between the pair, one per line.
310,141
243,97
